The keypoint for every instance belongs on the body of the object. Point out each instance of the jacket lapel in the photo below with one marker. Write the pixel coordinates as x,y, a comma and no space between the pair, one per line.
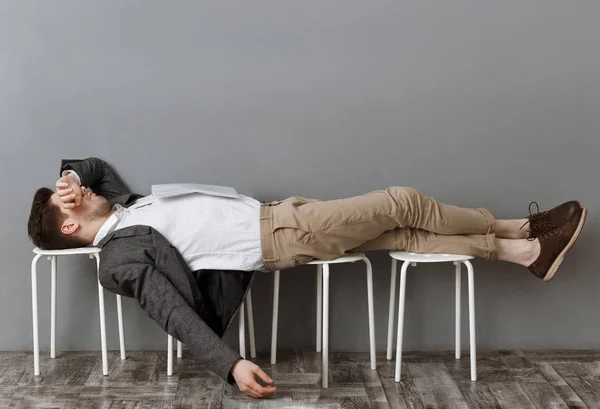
167,261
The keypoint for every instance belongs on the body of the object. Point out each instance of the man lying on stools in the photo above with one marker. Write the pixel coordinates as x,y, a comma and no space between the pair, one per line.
176,250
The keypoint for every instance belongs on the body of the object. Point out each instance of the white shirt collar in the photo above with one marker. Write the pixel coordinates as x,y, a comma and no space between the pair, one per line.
110,224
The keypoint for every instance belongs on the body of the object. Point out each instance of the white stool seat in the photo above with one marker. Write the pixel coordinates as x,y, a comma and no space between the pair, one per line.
354,257
91,252
412,259
323,309
67,252
427,258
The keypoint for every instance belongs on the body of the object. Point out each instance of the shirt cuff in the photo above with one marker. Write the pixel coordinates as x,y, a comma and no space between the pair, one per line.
73,174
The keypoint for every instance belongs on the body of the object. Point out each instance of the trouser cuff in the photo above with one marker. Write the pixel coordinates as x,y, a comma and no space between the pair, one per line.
491,220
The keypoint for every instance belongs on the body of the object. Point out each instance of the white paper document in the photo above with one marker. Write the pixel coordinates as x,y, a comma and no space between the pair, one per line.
178,189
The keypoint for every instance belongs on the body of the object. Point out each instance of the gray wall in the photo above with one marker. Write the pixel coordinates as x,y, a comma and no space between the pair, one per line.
487,104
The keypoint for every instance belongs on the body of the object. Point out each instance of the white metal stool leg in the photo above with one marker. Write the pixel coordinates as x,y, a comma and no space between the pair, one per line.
251,325
322,309
325,363
169,355
179,350
53,308
371,312
121,333
319,305
458,265
400,319
102,317
242,333
275,316
34,311
472,345
390,339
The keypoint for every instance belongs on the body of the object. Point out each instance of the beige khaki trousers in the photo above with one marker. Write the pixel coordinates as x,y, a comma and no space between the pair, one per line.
297,230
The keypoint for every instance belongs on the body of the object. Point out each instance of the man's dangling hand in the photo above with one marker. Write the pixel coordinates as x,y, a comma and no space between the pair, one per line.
245,373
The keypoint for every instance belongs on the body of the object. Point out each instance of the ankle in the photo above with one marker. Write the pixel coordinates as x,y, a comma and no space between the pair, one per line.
513,229
533,253
523,232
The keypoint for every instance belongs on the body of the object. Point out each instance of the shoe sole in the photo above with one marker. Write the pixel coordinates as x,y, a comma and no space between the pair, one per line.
558,261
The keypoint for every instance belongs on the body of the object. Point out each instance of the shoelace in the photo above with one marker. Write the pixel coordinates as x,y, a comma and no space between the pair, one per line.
539,222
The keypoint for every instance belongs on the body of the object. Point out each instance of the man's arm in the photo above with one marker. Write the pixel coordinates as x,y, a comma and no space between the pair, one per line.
130,269
164,303
95,174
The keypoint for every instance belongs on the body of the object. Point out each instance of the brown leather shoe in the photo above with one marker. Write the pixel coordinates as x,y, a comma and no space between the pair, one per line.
541,223
555,243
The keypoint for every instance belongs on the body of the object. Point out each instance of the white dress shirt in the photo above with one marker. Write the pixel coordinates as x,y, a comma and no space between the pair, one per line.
210,232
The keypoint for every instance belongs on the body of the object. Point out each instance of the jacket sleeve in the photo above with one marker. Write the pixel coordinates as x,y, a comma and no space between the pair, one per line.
97,175
161,301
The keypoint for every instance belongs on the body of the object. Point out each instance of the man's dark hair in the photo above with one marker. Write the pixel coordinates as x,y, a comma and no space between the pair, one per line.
45,220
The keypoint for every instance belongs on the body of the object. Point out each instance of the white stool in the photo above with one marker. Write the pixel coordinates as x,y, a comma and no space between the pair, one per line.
242,334
413,259
92,252
323,303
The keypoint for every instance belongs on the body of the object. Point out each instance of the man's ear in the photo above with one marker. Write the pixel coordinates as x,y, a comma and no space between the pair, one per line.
69,226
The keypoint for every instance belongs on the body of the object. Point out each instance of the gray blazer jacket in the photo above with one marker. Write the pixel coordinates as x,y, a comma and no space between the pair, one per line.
195,307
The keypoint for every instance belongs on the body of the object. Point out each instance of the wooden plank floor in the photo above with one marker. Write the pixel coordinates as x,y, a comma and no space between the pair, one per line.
507,379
